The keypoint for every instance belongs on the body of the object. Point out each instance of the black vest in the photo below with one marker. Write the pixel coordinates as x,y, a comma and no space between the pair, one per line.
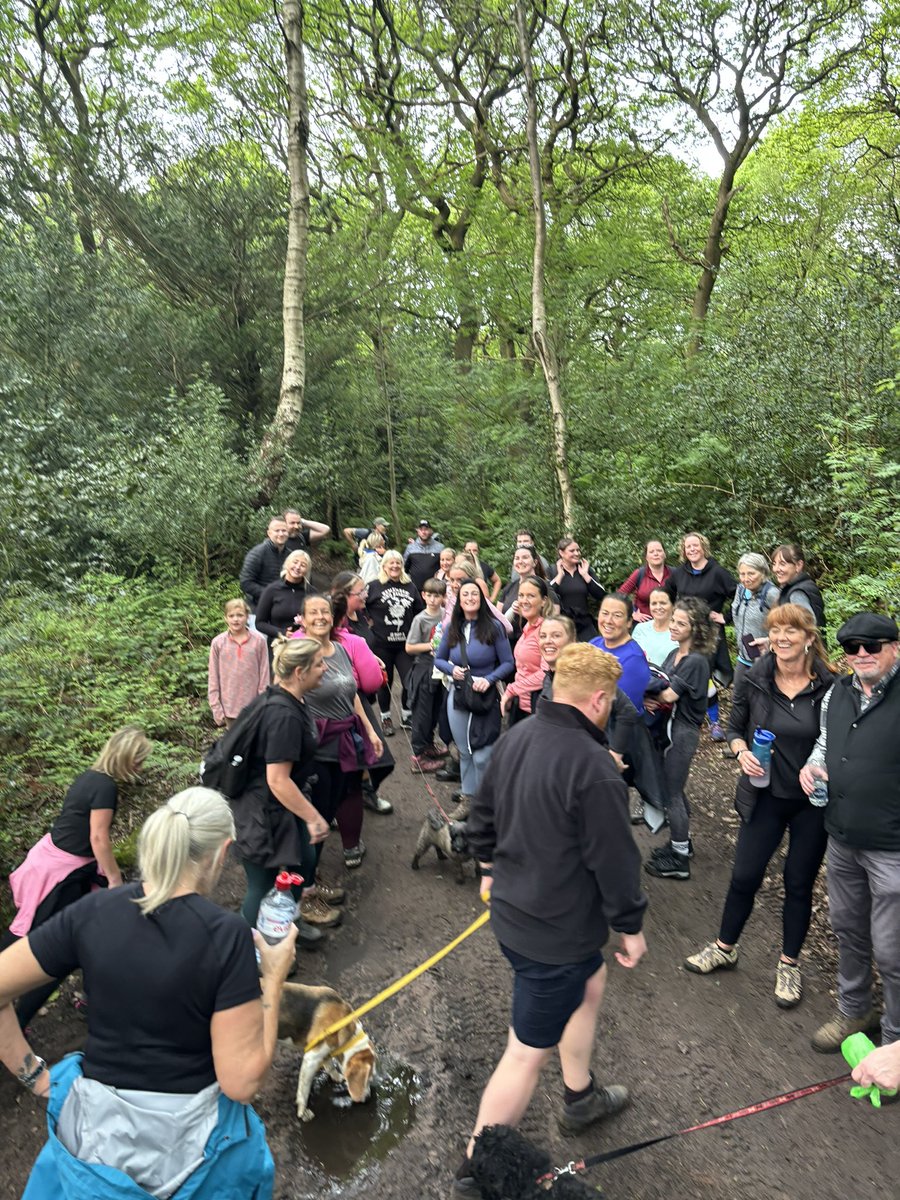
863,761
810,590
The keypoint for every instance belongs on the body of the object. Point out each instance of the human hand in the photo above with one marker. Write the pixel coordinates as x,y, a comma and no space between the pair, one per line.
584,568
480,684
639,616
318,828
651,705
717,617
809,776
380,663
276,961
459,673
505,703
559,570
376,744
880,1068
750,765
484,887
114,881
618,760
634,947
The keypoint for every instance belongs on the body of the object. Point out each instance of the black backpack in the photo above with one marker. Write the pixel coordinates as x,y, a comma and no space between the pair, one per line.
225,766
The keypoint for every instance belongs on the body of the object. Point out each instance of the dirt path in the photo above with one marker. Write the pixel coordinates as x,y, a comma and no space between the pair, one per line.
689,1047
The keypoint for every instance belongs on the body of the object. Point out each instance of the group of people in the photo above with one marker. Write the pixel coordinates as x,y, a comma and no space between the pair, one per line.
542,712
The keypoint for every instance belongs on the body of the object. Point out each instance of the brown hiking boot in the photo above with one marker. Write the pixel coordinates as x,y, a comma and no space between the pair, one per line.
315,911
828,1037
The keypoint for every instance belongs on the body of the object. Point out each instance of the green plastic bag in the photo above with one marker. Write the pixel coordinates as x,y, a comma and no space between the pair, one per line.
854,1049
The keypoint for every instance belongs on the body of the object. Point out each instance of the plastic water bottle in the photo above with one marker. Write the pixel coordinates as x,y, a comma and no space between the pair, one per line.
819,794
762,752
278,908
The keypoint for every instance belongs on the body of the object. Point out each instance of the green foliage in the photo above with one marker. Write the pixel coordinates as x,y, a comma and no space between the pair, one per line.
80,662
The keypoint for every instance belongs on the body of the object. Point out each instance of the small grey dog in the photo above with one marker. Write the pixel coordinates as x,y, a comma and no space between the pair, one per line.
449,841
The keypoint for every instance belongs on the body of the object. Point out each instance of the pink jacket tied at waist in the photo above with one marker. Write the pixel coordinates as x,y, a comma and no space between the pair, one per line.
44,867
329,728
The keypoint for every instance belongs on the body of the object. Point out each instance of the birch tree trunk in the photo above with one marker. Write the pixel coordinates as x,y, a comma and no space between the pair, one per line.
277,441
539,330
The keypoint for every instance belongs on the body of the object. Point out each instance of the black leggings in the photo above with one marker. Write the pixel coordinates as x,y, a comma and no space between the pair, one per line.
393,655
756,844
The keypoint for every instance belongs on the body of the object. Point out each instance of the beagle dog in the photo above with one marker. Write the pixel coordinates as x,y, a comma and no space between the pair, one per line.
348,1055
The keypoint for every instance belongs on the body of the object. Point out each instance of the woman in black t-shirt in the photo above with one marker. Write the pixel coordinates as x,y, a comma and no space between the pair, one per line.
687,669
277,826
280,603
76,855
176,1019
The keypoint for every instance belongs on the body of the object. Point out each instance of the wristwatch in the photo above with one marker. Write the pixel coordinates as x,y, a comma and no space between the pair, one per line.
31,1071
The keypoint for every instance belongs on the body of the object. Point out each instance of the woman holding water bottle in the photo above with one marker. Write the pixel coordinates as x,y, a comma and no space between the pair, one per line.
781,698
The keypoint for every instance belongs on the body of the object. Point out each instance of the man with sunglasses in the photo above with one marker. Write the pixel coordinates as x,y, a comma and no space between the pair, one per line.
858,752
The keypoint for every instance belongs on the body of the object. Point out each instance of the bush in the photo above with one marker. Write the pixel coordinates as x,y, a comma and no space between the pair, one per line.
78,663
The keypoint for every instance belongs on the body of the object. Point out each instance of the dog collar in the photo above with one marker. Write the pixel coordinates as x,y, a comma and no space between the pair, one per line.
359,1041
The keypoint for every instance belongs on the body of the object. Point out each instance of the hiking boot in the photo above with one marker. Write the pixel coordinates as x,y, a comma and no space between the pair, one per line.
711,958
461,811
828,1037
597,1104
387,727
314,910
660,850
329,892
449,772
716,732
354,856
419,764
668,864
788,984
375,803
308,936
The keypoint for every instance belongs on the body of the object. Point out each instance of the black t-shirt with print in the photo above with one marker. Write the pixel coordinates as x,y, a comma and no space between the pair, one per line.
392,607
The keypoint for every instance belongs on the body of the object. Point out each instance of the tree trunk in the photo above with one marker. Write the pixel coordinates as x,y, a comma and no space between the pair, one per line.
277,441
540,335
712,258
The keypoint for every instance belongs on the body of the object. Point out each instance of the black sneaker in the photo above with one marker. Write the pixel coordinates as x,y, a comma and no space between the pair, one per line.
667,847
600,1103
449,773
668,864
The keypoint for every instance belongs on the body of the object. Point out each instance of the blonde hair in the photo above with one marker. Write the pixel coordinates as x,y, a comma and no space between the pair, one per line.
582,670
231,605
123,754
186,832
289,653
704,544
391,556
295,554
465,563
567,623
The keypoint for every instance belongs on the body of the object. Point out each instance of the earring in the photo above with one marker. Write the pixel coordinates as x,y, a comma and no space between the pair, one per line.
808,647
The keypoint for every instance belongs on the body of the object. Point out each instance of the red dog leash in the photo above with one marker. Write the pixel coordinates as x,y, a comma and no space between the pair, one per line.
761,1106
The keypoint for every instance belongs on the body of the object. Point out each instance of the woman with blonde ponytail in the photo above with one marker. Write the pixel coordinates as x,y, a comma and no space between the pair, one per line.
181,1028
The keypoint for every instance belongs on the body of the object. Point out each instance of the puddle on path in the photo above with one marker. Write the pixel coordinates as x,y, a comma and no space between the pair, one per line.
346,1141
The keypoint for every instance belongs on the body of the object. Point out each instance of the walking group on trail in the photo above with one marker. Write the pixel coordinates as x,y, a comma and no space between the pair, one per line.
544,696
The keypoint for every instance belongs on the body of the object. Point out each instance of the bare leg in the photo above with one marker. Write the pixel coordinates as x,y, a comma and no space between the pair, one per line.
510,1088
577,1042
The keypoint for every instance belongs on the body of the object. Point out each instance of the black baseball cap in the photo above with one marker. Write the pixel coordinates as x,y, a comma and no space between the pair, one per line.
423,521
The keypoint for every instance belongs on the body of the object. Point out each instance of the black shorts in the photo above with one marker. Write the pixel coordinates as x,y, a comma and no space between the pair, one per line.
545,995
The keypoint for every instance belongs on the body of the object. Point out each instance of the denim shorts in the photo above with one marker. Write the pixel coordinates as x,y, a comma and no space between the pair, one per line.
545,995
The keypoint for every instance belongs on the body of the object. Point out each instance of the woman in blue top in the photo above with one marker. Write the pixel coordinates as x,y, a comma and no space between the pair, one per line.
490,660
614,622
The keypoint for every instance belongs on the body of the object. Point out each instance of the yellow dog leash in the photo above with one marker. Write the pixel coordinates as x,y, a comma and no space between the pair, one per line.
400,983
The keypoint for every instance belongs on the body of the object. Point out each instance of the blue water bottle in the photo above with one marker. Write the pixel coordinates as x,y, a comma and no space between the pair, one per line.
762,752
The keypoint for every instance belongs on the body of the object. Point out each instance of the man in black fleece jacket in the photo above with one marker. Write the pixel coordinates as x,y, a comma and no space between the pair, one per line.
550,828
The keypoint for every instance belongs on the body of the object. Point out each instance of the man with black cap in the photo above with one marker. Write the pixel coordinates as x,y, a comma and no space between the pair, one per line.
422,556
355,535
858,754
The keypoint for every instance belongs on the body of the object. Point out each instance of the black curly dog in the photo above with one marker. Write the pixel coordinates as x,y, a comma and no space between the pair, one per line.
506,1166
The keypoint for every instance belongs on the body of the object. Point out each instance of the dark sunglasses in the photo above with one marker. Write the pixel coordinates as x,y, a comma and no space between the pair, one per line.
851,649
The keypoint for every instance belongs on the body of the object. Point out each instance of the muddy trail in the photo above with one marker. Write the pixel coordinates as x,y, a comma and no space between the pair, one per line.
689,1047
